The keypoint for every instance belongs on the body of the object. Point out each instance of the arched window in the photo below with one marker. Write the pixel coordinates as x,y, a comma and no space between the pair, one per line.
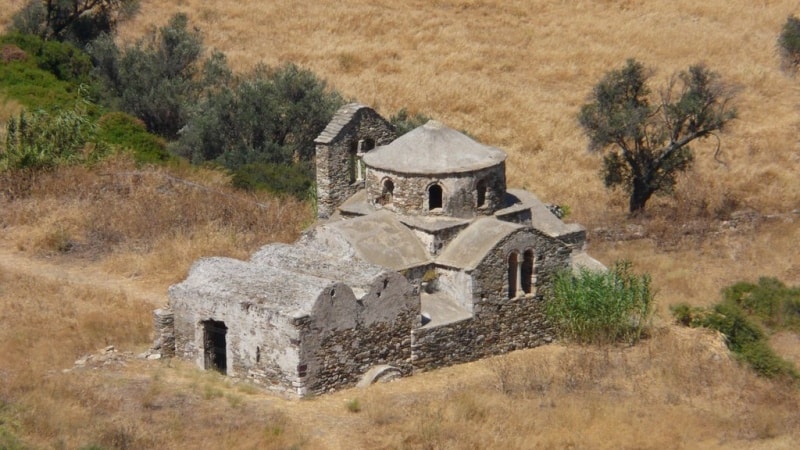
434,197
527,272
388,191
481,193
356,152
513,263
353,162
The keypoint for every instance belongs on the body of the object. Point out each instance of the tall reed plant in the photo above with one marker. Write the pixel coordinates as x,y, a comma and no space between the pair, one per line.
601,307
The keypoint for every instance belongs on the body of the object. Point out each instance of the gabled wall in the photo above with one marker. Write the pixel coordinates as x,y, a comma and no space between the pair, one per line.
351,124
499,324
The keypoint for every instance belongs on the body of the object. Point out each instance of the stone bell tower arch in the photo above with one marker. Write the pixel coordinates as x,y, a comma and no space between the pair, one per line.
355,130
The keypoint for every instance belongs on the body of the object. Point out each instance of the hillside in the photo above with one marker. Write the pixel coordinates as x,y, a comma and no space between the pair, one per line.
514,75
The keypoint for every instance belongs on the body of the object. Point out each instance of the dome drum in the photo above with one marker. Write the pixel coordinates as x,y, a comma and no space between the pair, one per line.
465,194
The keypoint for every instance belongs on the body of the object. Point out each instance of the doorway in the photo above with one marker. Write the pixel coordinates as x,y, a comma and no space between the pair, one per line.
214,346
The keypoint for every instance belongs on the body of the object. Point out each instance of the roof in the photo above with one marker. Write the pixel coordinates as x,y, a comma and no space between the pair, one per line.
341,119
434,149
541,217
318,259
379,238
469,248
232,280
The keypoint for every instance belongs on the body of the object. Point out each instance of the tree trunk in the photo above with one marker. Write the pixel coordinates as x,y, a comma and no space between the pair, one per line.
640,194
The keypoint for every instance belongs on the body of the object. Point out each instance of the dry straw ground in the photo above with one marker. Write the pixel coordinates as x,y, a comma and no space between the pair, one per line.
513,74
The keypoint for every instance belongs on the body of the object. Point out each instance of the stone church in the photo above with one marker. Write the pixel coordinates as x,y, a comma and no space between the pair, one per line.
421,258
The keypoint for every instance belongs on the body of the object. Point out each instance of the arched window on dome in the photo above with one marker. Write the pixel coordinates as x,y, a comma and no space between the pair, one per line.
434,197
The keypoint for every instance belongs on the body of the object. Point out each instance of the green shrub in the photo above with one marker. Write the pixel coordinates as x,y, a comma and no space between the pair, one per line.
772,302
34,87
789,43
295,179
404,122
595,307
43,140
735,317
124,131
65,61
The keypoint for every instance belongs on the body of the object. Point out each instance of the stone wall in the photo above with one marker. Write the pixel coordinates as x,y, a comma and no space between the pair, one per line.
500,327
335,353
459,191
164,326
499,324
345,355
260,344
333,156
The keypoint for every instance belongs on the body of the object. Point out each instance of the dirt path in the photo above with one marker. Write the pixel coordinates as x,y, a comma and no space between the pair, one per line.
76,272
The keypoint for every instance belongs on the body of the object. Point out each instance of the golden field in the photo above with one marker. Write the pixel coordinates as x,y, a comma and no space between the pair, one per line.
513,74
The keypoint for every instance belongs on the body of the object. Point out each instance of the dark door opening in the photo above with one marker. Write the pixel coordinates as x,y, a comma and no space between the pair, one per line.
216,357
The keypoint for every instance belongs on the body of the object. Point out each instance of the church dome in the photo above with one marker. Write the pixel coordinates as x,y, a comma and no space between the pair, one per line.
434,149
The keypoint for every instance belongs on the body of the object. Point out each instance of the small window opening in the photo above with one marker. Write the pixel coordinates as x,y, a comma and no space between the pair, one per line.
513,267
258,354
353,163
424,319
367,145
388,192
385,282
527,272
434,197
481,193
214,337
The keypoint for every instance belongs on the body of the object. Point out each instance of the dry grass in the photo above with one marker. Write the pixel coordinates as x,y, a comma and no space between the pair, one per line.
151,222
512,73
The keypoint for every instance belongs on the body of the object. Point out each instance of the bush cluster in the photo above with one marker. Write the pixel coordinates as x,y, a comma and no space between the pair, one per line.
741,316
163,95
601,307
789,43
43,140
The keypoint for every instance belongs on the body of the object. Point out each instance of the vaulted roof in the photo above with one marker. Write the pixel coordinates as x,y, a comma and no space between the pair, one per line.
469,248
379,238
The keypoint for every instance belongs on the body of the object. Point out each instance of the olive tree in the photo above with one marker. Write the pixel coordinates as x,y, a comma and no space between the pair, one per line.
78,21
645,137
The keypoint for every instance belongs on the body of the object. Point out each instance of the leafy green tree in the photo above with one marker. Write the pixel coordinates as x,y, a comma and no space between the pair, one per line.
160,77
789,43
404,122
271,115
78,21
645,137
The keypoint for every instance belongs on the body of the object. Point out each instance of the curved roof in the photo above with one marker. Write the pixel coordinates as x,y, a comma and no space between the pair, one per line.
235,281
433,149
473,244
379,238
